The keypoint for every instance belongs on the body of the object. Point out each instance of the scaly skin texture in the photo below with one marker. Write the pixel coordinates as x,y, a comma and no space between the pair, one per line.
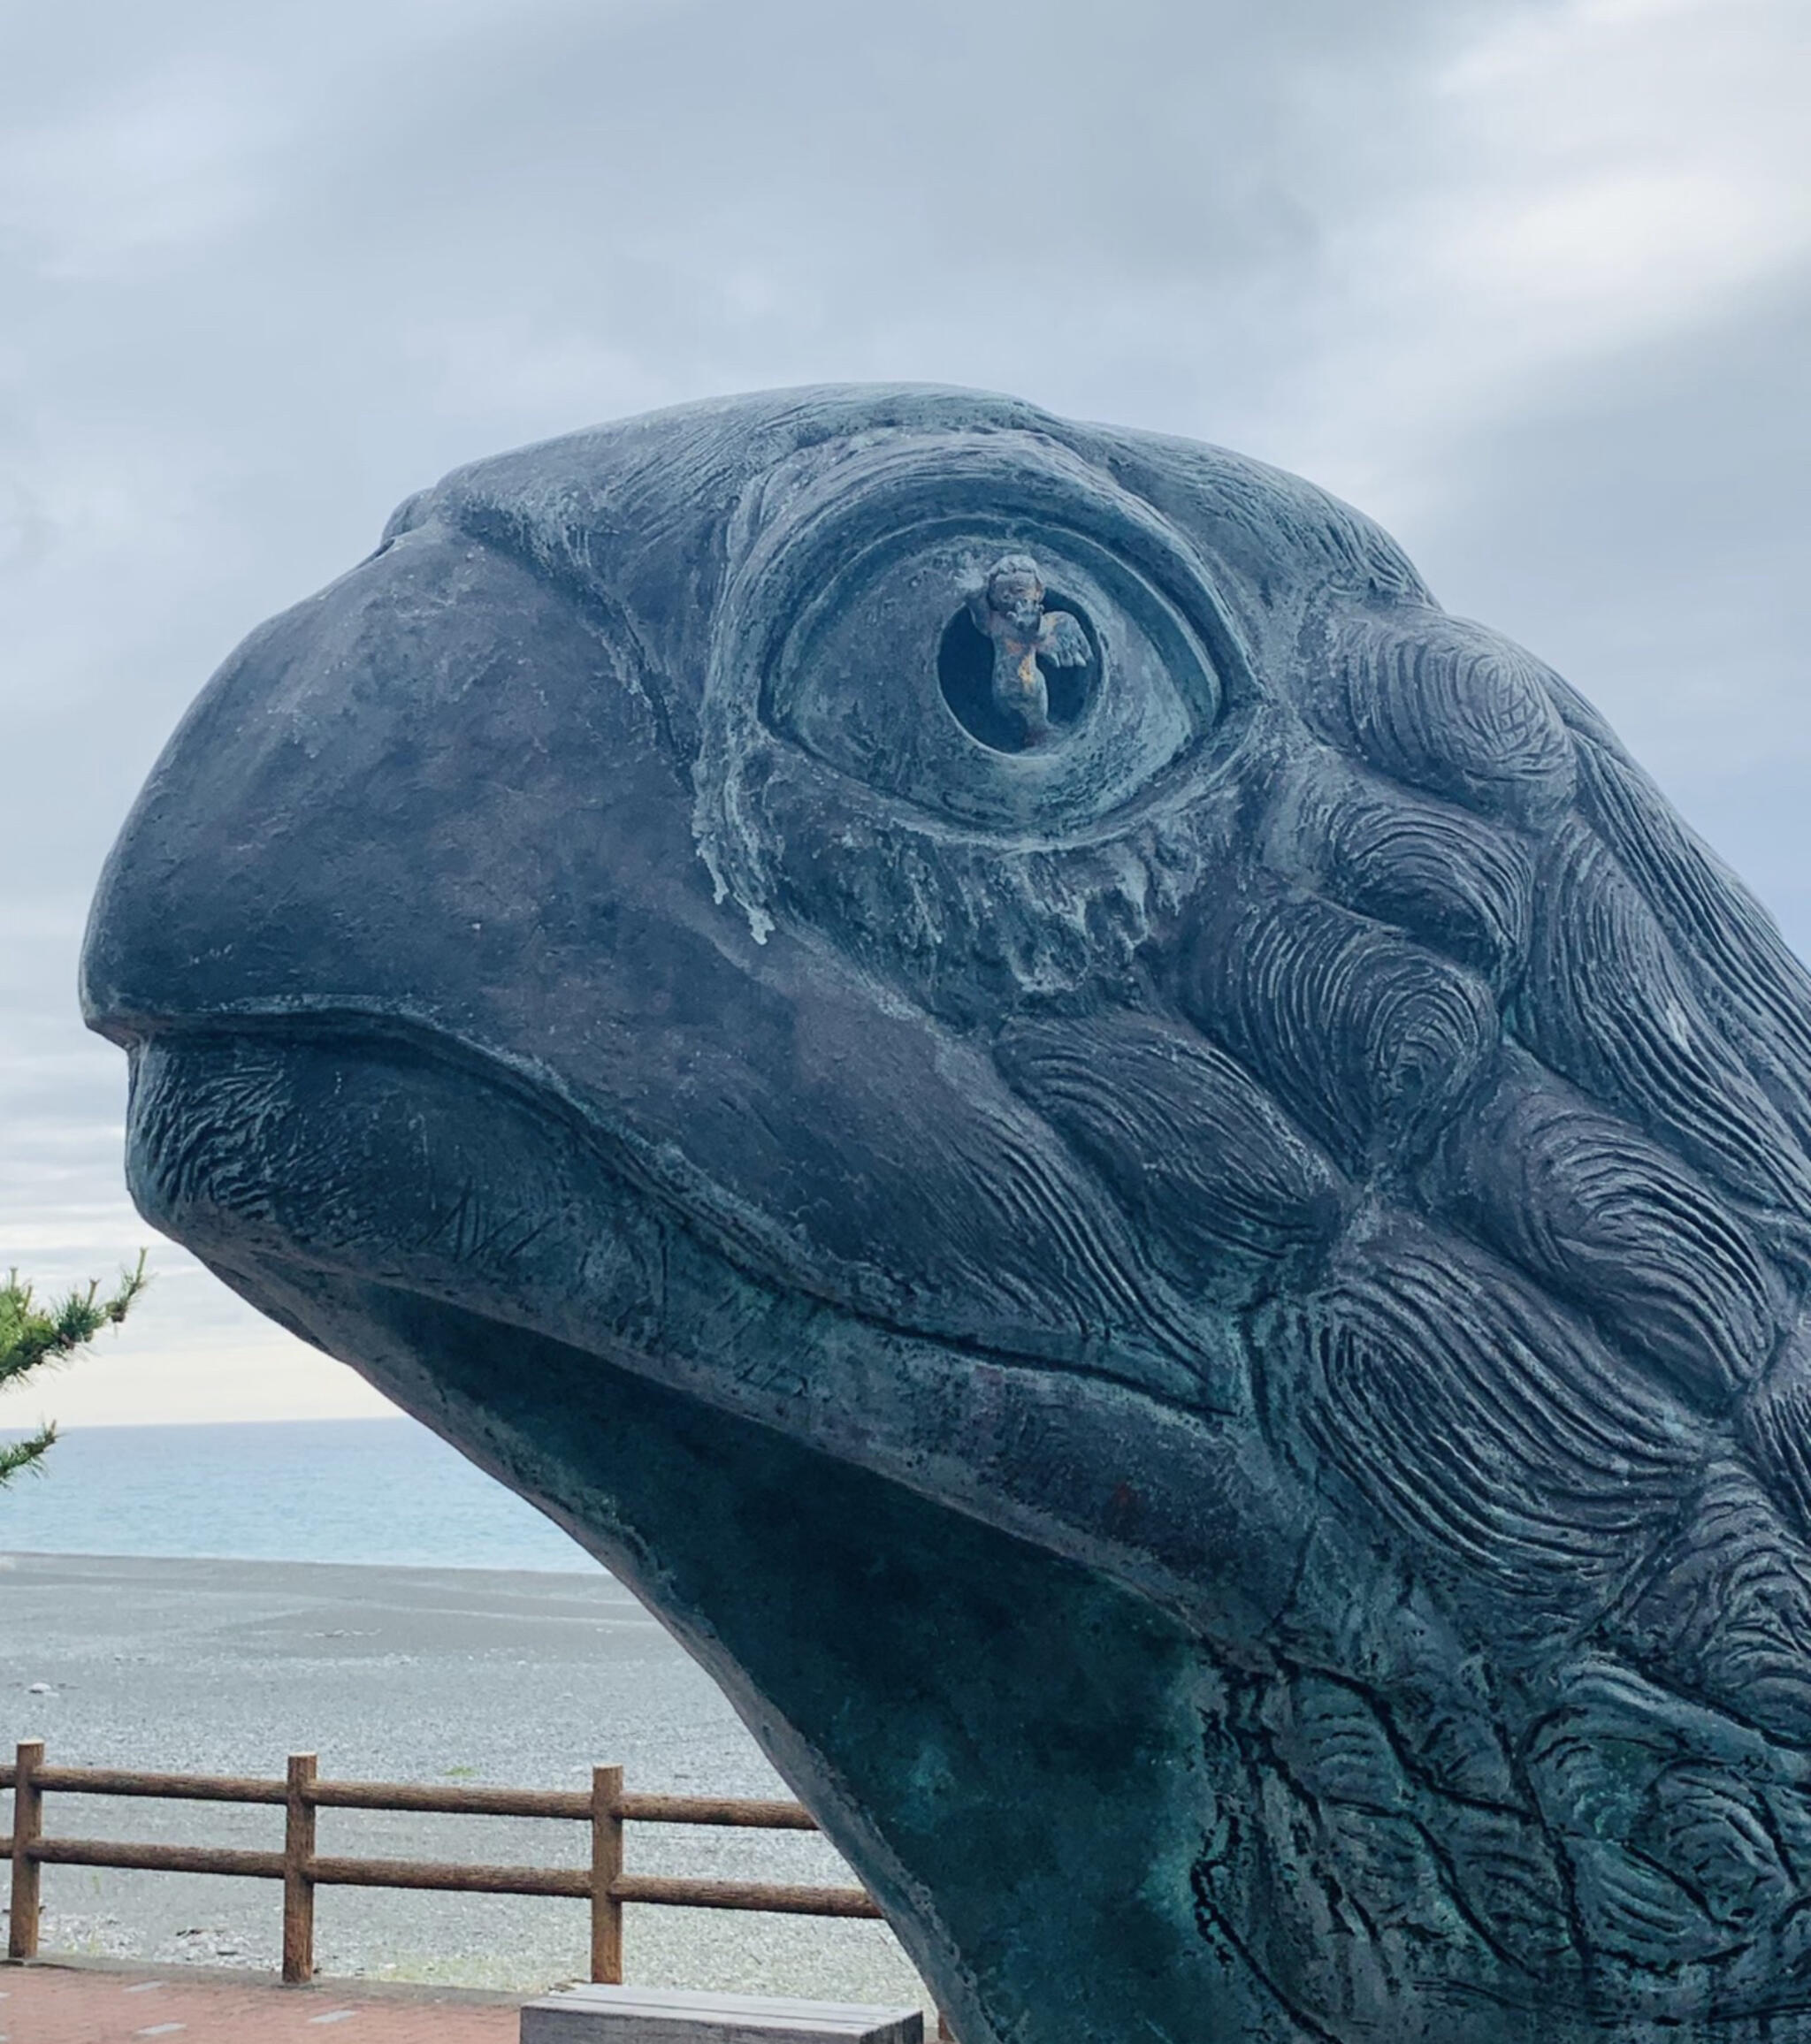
1200,1319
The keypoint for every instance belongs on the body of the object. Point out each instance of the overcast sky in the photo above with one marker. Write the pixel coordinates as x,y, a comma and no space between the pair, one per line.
1527,279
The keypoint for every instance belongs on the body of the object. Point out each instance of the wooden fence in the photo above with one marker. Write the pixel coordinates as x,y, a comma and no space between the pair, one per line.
605,1808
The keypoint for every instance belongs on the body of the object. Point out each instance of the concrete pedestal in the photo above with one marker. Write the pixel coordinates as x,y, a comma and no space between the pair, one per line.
670,2016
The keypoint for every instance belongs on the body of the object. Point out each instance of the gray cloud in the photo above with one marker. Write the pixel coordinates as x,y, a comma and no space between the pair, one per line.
1648,531
1525,277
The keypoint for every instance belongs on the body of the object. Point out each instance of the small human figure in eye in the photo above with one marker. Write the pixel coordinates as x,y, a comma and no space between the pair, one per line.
1008,606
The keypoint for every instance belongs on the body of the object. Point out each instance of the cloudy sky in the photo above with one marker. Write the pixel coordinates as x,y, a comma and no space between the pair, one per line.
1528,280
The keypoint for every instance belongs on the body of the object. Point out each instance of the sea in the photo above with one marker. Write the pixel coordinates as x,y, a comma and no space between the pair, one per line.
382,1491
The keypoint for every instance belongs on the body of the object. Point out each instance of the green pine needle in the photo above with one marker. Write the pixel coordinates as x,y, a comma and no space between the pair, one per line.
32,1337
19,1455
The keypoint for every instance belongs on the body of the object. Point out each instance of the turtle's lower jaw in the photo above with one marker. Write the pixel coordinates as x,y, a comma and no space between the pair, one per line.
384,1162
334,1158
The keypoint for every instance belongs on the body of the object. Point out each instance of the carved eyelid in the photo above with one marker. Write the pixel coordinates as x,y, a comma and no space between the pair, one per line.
843,606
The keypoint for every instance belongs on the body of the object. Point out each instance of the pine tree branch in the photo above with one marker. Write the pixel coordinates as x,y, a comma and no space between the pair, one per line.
32,1337
19,1455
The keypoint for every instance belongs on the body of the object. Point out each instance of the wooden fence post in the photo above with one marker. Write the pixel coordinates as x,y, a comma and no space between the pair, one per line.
298,1883
606,1871
27,1829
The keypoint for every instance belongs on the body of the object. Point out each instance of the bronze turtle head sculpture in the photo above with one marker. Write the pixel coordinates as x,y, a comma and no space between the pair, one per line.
1199,1318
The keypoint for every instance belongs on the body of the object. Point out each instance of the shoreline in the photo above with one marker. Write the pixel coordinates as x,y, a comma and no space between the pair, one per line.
10,1557
515,1677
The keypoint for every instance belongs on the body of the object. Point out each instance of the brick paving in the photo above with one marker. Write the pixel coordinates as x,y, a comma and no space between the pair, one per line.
51,2005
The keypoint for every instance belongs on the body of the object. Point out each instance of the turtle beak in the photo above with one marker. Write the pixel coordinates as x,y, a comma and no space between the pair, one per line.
414,808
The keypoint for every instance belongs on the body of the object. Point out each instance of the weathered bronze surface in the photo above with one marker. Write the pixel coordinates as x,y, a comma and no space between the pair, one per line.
1143,1184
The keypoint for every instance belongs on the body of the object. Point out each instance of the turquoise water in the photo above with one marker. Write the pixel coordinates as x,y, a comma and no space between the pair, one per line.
368,1491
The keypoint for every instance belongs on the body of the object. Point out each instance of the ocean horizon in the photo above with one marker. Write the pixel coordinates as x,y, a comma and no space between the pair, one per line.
381,1491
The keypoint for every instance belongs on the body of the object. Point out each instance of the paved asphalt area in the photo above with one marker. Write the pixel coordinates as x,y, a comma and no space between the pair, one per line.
51,2004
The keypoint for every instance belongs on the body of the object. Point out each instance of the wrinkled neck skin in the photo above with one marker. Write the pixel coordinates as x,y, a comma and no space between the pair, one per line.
1072,1276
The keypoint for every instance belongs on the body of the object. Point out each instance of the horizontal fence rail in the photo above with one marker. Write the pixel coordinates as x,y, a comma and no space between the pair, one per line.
606,1808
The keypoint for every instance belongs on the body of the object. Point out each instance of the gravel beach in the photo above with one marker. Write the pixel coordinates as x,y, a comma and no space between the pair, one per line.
409,1675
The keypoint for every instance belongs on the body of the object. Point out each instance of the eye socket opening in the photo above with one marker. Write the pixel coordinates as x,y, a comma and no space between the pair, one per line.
966,670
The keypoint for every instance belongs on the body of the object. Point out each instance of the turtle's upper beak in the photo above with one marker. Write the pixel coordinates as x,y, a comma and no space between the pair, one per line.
425,803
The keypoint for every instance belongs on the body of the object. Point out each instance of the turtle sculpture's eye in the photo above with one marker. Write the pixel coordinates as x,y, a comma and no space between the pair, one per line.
1013,678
